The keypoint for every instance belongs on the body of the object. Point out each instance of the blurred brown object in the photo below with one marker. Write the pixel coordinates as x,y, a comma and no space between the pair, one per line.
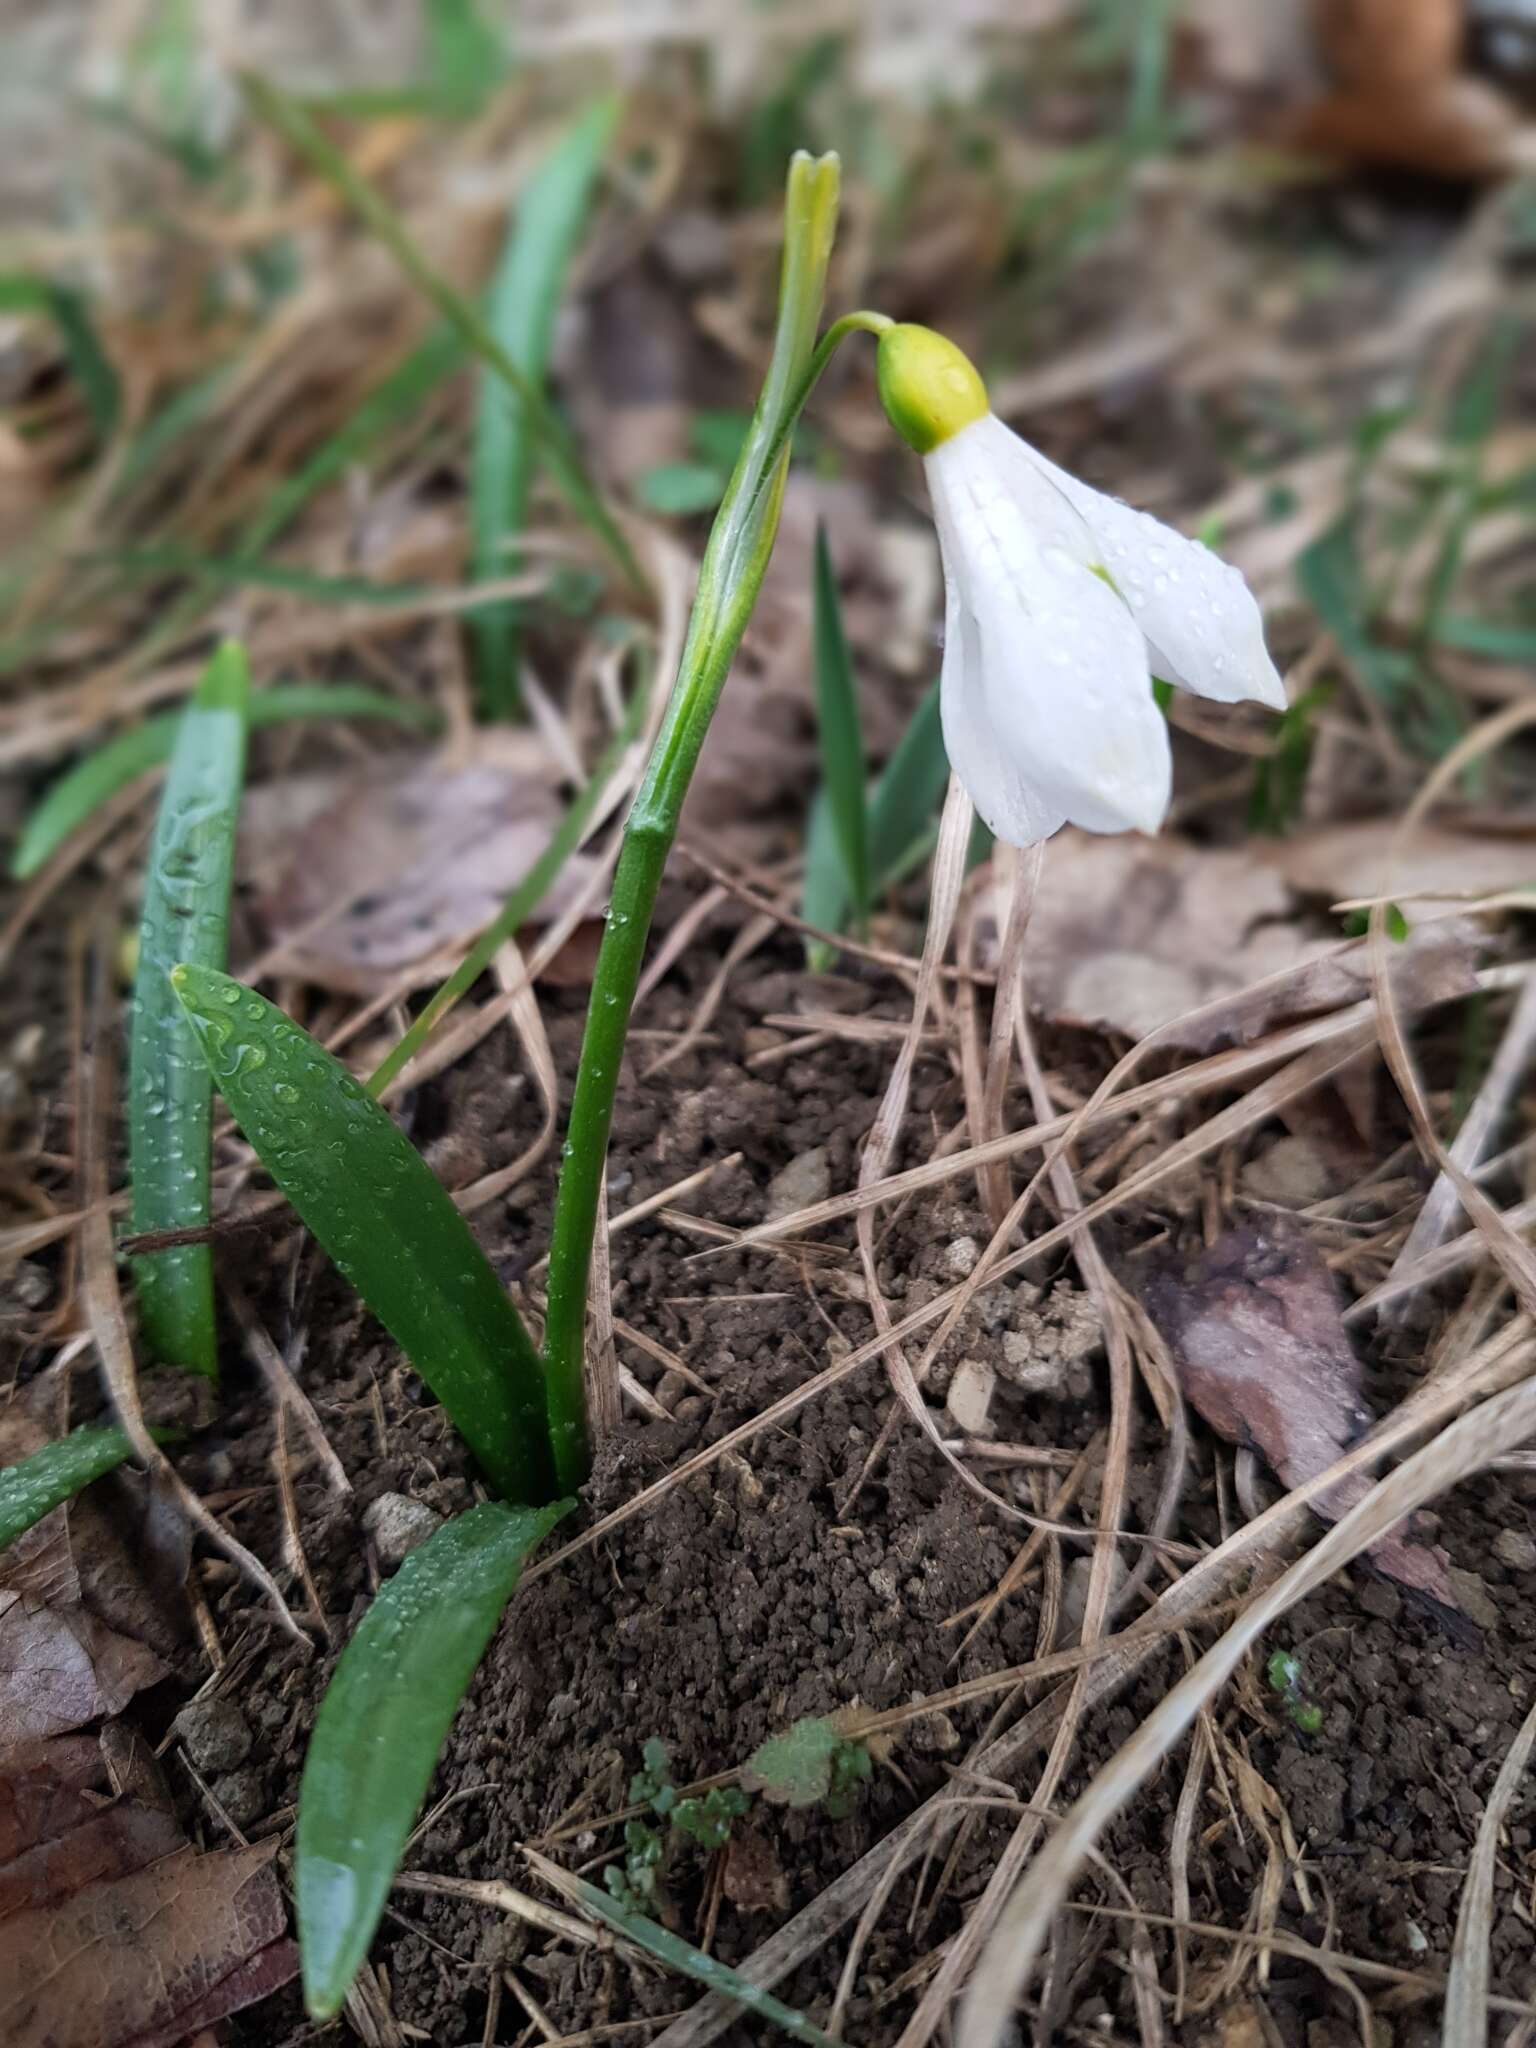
1390,47
1459,128
1402,98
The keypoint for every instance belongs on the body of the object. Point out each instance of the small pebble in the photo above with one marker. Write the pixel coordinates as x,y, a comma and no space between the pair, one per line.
960,1256
1515,1548
1027,1365
397,1524
805,1180
1473,1598
970,1397
215,1735
243,1796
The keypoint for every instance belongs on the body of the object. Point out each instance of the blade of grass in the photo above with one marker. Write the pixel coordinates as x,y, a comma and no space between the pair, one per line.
67,803
843,772
908,794
1497,640
383,1217
824,891
186,917
290,120
231,572
523,302
680,1955
520,904
88,360
34,1486
382,1725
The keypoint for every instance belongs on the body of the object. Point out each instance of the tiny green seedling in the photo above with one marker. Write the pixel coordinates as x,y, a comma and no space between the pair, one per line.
704,1819
811,1764
1286,1680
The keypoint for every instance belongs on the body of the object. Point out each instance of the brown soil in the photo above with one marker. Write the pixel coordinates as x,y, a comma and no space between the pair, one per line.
748,1597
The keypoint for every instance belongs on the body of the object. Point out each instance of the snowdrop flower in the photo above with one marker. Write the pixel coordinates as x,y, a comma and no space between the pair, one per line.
1060,606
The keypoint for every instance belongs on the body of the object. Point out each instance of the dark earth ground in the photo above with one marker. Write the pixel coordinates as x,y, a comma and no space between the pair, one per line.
748,1597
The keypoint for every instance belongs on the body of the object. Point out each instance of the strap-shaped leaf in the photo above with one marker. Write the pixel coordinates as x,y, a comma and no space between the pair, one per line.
384,1217
843,773
34,1486
524,301
186,917
382,1725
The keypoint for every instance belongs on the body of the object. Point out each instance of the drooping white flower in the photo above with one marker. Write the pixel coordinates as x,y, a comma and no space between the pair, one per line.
1061,605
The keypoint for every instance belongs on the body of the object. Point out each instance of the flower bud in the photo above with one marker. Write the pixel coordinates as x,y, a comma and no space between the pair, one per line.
929,388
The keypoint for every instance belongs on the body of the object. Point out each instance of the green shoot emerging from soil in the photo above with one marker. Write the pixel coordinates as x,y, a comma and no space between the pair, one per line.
1287,1680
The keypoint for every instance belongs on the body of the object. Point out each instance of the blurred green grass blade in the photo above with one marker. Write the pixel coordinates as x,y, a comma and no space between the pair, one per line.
186,917
520,904
909,791
67,803
843,771
87,359
688,1961
382,1725
34,1486
384,1218
522,306
824,890
901,826
1479,395
233,572
465,59
289,119
1497,639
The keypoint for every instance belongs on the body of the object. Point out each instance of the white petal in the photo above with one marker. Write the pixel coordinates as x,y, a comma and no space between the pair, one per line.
1203,626
1047,701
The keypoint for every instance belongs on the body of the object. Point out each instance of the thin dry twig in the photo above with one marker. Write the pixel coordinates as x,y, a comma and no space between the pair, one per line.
1466,1986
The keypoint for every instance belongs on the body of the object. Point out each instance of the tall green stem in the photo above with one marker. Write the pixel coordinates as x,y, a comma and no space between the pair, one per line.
729,580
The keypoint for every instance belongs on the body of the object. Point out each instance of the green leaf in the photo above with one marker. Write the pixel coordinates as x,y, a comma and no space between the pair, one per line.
67,803
824,890
382,1724
524,301
34,1486
1496,639
811,1764
186,917
288,118
465,59
910,789
906,795
682,1956
843,771
384,1218
87,359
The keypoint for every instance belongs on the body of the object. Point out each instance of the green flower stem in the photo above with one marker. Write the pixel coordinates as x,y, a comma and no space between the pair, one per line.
729,580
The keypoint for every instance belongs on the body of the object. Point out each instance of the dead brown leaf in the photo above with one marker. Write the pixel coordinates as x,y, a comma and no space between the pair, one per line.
1132,934
359,876
753,1878
78,1629
1340,863
1255,1329
145,1959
